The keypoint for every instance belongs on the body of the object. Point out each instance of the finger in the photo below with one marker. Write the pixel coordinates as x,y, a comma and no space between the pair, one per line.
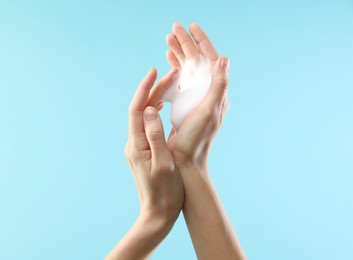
172,59
138,103
225,107
139,100
171,140
171,134
203,42
154,132
161,87
175,47
219,84
159,107
187,44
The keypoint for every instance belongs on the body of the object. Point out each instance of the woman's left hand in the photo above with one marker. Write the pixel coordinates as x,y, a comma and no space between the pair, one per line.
158,181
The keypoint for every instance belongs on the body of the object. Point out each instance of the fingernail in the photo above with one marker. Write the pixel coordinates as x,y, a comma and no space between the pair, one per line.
150,114
224,64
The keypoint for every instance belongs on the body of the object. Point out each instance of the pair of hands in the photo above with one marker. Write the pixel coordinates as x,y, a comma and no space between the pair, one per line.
172,175
155,162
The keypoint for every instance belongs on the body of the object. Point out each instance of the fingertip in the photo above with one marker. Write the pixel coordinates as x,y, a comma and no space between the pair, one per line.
193,25
148,108
160,106
150,113
149,79
176,25
168,38
153,72
168,79
171,72
224,63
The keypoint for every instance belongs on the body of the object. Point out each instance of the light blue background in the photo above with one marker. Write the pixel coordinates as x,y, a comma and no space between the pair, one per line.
282,162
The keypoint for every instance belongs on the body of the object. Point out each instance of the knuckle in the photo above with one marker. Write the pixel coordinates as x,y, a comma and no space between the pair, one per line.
212,118
223,82
155,135
164,168
167,168
210,113
220,81
134,155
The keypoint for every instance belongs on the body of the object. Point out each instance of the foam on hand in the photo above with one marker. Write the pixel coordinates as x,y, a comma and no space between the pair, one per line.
188,88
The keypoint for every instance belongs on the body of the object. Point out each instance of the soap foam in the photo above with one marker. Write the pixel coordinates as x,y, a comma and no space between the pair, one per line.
188,88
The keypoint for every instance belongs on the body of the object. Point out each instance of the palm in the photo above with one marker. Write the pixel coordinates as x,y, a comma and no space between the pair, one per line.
182,47
197,123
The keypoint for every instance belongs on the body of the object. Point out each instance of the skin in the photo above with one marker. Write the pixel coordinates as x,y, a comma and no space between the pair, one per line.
157,179
184,183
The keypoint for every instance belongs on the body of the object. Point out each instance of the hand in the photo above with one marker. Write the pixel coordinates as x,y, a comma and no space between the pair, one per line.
158,181
211,232
192,142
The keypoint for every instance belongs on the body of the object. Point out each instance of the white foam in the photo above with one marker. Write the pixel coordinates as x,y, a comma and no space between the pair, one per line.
188,89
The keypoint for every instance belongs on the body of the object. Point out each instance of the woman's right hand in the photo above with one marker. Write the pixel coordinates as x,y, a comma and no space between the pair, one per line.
191,144
211,232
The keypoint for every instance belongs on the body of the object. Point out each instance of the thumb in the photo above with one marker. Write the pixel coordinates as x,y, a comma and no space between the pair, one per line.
154,131
219,83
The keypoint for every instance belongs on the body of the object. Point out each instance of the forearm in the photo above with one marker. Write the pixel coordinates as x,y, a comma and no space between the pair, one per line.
210,229
142,239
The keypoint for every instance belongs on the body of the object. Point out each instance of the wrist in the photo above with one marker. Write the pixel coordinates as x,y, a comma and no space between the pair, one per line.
192,165
156,221
196,160
145,235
